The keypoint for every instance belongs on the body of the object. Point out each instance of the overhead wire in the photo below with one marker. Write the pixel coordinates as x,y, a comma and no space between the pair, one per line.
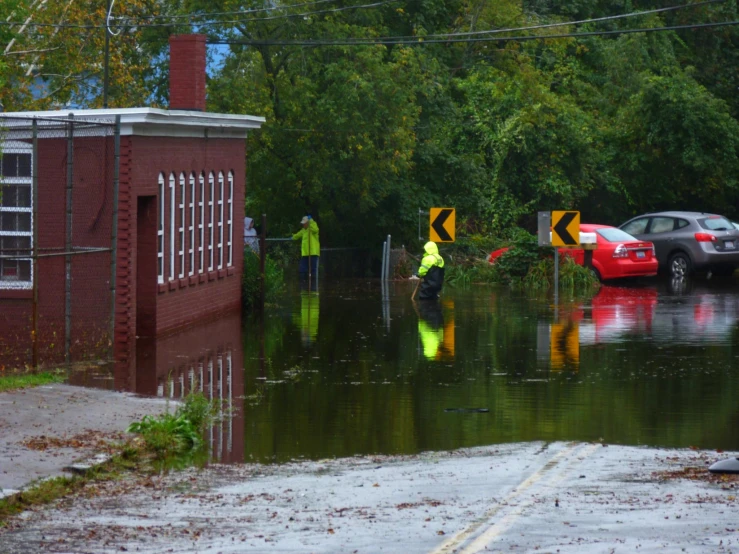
211,23
368,6
420,41
238,12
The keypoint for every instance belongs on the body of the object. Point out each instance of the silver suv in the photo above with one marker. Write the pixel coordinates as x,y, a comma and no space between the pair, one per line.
689,241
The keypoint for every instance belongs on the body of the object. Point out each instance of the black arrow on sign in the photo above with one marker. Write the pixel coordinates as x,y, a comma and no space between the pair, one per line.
438,225
561,229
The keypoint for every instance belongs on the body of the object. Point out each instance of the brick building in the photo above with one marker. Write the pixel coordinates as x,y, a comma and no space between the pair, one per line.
180,175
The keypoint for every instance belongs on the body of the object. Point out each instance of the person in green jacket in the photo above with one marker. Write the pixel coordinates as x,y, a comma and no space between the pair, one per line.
432,272
310,248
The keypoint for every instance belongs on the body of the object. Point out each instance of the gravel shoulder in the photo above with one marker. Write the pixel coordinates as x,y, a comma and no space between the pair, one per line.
47,428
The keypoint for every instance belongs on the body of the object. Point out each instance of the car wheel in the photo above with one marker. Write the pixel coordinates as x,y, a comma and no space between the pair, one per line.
680,265
597,274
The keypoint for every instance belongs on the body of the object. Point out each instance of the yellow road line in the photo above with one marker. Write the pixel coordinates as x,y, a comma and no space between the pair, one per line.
462,536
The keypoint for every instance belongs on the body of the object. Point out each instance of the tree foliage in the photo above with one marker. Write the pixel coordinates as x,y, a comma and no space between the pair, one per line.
362,136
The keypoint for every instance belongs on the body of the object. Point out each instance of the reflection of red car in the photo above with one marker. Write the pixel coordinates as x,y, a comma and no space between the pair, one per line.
617,255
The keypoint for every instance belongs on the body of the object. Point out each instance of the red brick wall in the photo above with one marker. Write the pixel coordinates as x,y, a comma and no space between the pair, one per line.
125,311
90,293
182,302
179,303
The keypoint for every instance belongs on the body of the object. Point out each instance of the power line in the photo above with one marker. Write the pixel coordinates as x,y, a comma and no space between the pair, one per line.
208,23
362,6
579,22
239,12
420,41
583,21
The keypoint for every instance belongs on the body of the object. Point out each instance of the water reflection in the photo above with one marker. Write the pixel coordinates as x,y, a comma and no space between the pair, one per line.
207,358
437,338
382,374
308,317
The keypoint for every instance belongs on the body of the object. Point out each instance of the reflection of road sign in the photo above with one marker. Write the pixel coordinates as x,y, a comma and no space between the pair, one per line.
565,345
565,228
442,222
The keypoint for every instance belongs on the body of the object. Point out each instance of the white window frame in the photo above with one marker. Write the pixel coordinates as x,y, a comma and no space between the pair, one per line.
160,232
171,225
211,229
201,224
191,226
230,218
220,219
181,228
19,147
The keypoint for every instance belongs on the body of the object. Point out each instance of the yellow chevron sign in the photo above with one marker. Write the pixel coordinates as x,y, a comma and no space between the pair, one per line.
442,222
565,228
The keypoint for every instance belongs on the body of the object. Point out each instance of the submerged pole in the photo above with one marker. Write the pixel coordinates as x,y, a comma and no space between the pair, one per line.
262,257
382,270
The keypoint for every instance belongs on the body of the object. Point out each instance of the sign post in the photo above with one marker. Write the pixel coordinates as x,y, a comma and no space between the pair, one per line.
565,232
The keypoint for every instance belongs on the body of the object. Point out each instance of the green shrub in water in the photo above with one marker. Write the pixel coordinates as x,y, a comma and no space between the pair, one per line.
274,280
573,278
175,433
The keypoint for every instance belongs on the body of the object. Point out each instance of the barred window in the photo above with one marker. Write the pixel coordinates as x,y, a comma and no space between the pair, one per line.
201,224
181,228
172,194
220,219
16,215
211,229
191,226
230,218
160,232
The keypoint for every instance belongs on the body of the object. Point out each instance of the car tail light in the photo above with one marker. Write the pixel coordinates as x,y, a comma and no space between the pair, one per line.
620,252
654,252
705,237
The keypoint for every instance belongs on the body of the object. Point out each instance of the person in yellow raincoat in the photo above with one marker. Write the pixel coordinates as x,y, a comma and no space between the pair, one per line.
432,272
310,247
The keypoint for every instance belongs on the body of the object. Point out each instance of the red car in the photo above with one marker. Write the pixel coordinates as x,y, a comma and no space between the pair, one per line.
617,255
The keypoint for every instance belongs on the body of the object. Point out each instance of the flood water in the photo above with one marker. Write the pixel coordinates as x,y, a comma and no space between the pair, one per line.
357,368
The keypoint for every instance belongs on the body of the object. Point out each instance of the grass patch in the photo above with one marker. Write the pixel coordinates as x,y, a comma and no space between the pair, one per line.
180,433
28,380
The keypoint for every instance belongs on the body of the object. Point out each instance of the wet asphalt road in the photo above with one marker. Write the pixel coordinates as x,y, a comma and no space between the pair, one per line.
526,497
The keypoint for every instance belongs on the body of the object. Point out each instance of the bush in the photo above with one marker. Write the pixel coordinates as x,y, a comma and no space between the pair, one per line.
169,434
573,278
274,280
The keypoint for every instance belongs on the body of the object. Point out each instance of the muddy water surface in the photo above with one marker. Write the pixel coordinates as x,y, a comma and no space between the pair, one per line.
356,368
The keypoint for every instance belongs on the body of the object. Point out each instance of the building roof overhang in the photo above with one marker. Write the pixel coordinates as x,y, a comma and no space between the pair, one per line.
154,121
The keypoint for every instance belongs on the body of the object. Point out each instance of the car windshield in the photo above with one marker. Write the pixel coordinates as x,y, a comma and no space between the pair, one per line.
716,223
611,234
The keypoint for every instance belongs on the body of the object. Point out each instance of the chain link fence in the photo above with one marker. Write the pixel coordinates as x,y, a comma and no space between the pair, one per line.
58,202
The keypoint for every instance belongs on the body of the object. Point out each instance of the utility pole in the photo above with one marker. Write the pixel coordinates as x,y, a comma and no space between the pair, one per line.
107,55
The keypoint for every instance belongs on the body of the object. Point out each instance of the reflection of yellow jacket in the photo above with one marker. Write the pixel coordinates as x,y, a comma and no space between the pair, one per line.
430,338
308,319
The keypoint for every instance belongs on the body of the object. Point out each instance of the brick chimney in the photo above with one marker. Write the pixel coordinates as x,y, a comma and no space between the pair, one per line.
187,72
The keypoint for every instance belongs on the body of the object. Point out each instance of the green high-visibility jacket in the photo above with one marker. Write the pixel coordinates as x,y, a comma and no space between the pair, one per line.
310,245
431,259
